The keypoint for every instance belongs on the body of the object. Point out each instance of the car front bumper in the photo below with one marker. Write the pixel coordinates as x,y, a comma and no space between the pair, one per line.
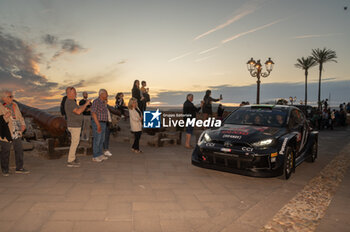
249,164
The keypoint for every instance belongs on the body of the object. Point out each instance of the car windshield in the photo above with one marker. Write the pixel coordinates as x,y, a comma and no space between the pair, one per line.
258,117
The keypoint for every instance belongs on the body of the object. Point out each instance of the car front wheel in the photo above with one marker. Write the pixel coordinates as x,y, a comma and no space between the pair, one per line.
288,163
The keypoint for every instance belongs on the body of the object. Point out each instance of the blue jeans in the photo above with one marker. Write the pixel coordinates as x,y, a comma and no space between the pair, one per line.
98,138
5,154
106,142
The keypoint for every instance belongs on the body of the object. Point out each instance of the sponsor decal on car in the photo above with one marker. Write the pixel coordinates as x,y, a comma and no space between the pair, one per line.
250,149
237,131
283,146
210,144
232,136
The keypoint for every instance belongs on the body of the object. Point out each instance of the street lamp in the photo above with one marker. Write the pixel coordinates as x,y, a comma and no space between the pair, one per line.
255,70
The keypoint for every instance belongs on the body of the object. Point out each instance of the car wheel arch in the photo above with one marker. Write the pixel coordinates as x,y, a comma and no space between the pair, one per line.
286,175
291,143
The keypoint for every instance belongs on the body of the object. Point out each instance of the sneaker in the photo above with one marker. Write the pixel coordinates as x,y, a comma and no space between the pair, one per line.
73,164
98,159
5,173
76,161
107,153
103,157
22,171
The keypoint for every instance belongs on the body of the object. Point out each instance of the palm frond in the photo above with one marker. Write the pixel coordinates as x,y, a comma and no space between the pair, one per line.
305,63
324,55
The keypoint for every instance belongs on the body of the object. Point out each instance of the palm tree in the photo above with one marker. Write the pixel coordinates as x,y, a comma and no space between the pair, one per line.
305,64
322,56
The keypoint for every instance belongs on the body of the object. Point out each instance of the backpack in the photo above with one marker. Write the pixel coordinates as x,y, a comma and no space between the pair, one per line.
63,102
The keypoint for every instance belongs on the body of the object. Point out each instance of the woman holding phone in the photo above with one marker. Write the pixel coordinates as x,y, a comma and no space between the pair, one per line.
207,106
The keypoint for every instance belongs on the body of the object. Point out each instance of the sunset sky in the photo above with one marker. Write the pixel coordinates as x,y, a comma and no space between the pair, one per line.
176,46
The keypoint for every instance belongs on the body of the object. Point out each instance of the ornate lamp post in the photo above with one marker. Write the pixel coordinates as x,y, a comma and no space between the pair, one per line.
255,70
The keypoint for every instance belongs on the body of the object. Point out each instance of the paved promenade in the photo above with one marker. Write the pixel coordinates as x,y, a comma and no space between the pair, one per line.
159,190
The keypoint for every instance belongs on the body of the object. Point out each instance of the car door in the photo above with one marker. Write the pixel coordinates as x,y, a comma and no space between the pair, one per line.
305,131
296,125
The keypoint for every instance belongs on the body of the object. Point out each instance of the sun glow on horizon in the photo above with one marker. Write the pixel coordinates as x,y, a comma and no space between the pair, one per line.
54,46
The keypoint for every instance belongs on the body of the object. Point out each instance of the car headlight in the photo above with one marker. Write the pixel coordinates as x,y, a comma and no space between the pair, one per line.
263,143
204,137
207,137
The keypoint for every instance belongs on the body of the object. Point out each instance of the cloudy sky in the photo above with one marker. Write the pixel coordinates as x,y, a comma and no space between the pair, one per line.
176,46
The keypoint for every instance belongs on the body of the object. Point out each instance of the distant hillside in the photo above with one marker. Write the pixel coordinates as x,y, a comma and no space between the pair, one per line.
179,108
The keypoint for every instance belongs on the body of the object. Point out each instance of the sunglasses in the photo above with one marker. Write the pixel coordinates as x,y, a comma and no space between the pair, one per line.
10,96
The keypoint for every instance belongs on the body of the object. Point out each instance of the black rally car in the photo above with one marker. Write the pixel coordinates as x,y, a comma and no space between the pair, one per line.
258,140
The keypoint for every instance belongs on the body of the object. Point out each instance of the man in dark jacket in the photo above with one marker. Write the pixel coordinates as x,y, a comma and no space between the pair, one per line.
85,130
190,110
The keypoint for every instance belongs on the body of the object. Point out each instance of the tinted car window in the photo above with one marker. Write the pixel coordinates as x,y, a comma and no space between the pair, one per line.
296,119
298,116
258,116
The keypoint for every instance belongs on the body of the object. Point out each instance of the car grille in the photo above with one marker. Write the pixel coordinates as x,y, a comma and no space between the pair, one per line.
236,161
234,145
